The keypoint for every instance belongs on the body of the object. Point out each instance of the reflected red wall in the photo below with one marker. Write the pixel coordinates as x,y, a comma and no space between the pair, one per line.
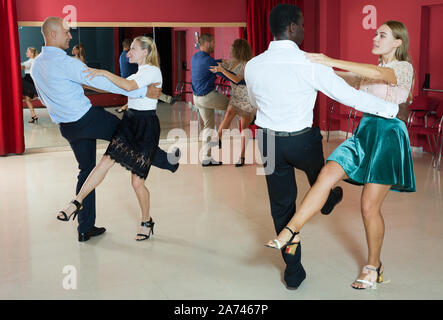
341,35
136,10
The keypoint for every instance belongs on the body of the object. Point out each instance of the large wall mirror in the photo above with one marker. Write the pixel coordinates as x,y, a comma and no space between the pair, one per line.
103,47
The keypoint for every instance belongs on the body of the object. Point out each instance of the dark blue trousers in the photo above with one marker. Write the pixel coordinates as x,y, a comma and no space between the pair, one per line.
304,152
82,135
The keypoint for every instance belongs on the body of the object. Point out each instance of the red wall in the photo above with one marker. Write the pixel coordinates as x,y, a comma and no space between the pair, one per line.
224,38
190,48
435,62
136,10
341,35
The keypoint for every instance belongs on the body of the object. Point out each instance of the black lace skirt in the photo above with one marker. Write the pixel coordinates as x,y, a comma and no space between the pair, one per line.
135,141
28,87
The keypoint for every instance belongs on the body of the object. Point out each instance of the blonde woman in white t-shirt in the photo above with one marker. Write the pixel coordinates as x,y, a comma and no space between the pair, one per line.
136,140
29,91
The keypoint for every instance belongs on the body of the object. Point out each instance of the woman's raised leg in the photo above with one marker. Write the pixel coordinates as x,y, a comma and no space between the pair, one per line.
313,201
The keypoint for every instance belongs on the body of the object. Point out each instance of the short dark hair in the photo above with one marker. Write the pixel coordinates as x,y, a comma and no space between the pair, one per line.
126,43
205,37
281,16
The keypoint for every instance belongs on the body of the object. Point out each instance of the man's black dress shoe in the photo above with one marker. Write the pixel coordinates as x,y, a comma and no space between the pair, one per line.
177,155
332,200
84,236
291,288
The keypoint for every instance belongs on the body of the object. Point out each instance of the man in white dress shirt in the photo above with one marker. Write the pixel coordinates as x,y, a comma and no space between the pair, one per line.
283,85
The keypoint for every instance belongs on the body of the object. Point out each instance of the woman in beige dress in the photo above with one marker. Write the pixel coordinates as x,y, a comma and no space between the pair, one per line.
29,91
239,104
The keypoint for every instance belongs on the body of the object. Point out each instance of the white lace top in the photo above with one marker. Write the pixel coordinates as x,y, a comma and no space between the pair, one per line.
396,93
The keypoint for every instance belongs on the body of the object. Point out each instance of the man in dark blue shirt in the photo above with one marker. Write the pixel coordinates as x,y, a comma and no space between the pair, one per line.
206,98
126,68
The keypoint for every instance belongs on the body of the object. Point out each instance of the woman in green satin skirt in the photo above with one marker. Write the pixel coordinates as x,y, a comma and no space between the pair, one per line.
377,156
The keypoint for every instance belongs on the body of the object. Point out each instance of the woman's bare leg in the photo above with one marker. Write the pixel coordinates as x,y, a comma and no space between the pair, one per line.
244,122
143,197
313,201
30,106
229,116
372,199
94,179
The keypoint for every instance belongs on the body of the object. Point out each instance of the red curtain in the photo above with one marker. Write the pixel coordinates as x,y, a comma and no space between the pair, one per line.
12,138
258,11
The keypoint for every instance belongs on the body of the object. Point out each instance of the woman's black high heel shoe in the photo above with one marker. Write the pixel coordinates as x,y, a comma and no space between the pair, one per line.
33,119
147,224
240,162
77,210
290,247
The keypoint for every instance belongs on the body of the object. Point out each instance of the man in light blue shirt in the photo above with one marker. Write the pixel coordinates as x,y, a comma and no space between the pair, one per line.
59,80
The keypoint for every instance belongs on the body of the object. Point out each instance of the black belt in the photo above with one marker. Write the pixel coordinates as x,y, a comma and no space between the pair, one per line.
285,133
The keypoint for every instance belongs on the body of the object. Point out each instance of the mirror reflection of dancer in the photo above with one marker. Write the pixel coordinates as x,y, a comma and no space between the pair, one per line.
239,103
78,52
377,156
136,140
206,98
29,91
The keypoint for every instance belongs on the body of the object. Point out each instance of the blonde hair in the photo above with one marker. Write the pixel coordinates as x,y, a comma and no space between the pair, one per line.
400,32
152,57
33,51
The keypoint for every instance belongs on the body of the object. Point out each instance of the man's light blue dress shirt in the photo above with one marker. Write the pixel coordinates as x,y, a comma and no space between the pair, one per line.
59,78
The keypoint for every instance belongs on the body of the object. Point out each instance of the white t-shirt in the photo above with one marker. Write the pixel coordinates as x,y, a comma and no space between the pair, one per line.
28,64
145,76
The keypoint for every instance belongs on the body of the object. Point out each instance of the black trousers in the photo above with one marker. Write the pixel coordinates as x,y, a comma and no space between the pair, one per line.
304,152
82,135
